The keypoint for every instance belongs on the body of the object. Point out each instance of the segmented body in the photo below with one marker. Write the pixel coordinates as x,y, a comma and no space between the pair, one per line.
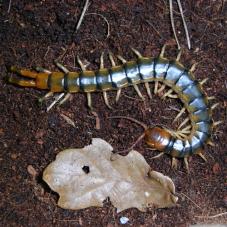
142,70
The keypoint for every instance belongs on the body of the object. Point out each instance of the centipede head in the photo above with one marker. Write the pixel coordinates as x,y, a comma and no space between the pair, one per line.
157,137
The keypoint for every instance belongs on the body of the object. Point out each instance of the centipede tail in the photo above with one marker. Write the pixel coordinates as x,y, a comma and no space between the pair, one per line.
144,70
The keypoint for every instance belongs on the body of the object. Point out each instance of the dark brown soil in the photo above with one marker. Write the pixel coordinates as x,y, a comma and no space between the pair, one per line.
35,34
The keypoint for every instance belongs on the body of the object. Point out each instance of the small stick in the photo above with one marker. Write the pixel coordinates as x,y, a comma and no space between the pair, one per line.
104,18
9,7
172,22
213,216
131,119
184,23
82,14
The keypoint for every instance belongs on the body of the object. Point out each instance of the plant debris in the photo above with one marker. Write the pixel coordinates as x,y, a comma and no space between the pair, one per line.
86,177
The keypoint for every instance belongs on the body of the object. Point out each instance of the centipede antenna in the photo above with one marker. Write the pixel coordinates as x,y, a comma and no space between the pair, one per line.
57,98
204,81
138,91
106,99
121,59
61,67
23,72
214,106
118,95
139,55
186,164
202,156
161,88
89,102
155,87
179,55
174,163
102,61
183,123
179,114
23,83
162,51
130,119
112,59
193,67
158,156
148,89
82,66
67,96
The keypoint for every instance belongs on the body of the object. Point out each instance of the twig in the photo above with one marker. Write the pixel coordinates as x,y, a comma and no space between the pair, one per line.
9,7
213,216
184,23
172,22
82,14
108,25
190,200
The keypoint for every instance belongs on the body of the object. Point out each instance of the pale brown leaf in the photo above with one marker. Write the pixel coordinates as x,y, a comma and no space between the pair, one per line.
85,177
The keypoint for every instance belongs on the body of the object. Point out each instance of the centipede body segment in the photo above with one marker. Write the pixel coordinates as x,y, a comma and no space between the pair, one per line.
144,70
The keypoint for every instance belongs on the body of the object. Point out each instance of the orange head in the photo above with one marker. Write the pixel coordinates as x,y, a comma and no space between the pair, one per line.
157,138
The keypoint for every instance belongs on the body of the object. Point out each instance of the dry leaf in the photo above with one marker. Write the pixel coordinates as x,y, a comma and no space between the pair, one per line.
85,177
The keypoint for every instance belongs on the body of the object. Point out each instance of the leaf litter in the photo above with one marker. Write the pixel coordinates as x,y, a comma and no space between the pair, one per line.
85,177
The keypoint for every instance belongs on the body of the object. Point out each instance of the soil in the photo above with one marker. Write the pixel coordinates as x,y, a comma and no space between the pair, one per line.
34,33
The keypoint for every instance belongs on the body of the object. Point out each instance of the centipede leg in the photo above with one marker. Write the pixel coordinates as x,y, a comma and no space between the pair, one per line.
155,87
204,81
42,70
186,164
57,98
46,96
167,93
89,102
67,96
136,52
102,61
121,59
209,142
174,163
112,59
193,67
161,88
215,106
179,114
202,156
179,55
216,123
82,65
148,89
118,94
138,91
61,67
183,123
106,99
163,51
158,156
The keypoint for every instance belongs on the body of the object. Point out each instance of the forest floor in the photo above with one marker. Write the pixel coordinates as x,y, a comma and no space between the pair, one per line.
36,33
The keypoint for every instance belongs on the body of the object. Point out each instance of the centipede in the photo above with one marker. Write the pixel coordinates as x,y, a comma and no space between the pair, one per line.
161,71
